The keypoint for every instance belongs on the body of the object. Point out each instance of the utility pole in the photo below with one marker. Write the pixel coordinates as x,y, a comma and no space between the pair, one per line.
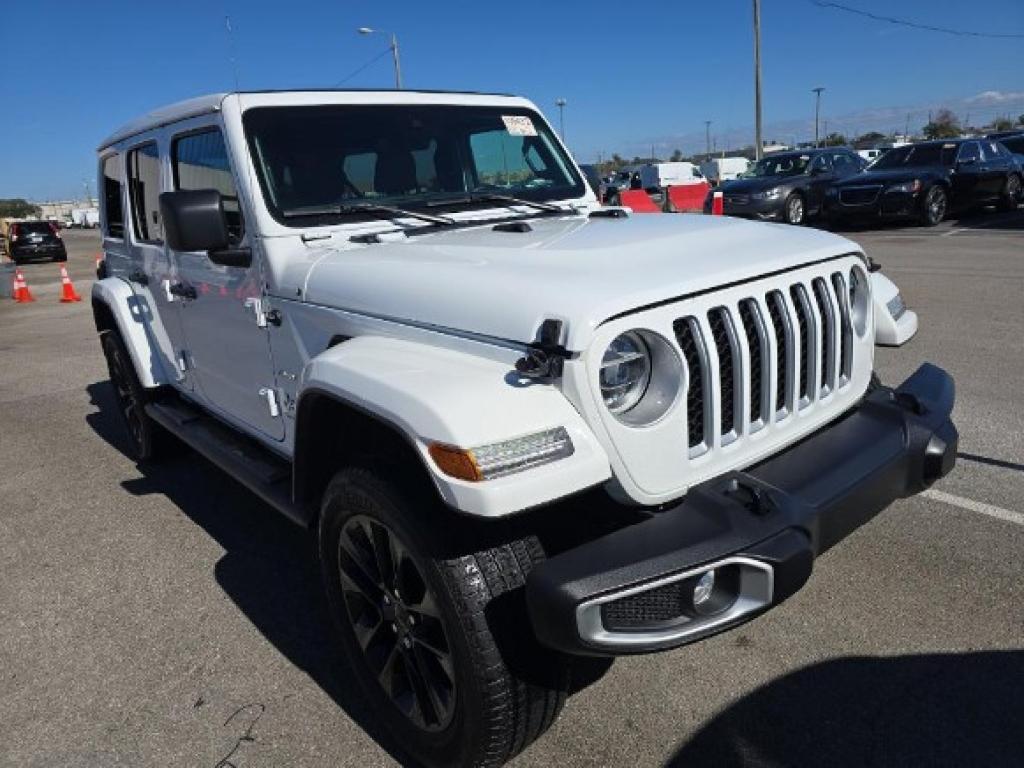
757,80
707,137
906,133
817,110
824,130
560,103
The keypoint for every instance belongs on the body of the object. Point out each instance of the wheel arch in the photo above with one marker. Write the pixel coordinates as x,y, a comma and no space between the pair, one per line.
116,307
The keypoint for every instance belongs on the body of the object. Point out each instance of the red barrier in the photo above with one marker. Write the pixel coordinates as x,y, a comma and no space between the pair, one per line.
717,204
689,197
639,201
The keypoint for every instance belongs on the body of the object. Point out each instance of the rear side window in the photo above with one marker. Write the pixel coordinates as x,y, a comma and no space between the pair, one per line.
112,206
969,151
200,161
1016,144
144,193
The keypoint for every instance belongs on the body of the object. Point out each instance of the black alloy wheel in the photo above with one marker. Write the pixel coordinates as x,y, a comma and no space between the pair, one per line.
936,204
397,622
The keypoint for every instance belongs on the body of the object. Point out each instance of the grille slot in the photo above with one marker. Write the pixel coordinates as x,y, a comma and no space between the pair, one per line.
728,367
750,315
846,328
783,347
691,345
796,293
826,380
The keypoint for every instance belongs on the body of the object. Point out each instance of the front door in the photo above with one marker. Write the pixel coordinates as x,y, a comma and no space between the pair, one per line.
228,349
968,189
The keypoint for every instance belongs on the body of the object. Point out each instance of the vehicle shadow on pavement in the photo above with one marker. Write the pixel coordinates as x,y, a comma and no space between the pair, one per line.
952,709
268,568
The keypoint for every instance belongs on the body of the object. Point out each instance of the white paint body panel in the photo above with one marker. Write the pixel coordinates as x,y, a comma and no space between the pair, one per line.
439,395
151,352
890,332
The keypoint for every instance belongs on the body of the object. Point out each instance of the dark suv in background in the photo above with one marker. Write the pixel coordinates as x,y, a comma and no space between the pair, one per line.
35,240
788,186
928,180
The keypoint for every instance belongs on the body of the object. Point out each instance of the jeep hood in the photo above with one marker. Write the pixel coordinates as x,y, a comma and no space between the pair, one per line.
583,271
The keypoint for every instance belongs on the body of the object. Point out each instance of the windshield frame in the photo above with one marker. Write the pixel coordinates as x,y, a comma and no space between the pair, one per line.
576,189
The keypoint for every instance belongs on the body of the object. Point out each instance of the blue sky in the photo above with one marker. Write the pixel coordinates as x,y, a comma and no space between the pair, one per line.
634,74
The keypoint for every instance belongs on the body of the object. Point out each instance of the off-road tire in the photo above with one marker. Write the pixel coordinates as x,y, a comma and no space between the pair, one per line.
794,210
934,206
147,440
1011,196
508,689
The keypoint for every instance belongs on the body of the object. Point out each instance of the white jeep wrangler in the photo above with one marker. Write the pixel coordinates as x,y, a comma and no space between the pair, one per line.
525,429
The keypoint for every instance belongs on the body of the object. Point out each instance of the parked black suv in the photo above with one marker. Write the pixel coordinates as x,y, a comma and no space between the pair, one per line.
928,180
790,186
35,240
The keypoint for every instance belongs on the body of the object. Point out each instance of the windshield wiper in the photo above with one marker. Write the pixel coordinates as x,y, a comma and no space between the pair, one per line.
488,197
342,209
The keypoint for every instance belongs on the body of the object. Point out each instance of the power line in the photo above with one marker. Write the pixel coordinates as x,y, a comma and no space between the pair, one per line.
915,25
374,60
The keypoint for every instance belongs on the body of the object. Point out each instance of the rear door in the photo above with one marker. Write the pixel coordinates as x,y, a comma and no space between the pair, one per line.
822,177
968,186
149,270
229,349
995,166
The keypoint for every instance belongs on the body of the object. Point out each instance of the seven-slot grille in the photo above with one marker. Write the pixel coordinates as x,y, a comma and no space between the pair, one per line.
781,350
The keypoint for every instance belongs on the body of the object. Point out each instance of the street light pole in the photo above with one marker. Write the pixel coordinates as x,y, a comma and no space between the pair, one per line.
707,137
394,52
817,110
560,103
757,80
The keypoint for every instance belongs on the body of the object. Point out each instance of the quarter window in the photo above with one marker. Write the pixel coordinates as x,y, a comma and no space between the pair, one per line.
200,161
969,151
144,193
113,209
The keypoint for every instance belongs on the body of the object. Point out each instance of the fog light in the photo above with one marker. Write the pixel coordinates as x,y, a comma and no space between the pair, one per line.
705,586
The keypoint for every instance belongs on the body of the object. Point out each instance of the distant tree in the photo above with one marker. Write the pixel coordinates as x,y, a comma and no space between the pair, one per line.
868,140
835,140
1002,124
1020,120
945,125
677,155
18,209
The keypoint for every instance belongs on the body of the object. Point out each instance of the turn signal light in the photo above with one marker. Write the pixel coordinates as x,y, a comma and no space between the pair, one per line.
498,459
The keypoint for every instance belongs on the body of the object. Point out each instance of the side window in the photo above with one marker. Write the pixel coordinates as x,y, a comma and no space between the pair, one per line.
112,207
144,193
969,152
821,163
844,164
200,161
991,150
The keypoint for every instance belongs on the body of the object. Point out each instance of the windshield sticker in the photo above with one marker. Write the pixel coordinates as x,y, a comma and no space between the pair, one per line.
519,125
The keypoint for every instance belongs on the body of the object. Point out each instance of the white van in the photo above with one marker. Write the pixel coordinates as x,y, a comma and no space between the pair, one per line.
722,169
669,174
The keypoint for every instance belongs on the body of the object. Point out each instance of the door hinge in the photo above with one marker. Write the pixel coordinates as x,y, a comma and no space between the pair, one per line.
270,395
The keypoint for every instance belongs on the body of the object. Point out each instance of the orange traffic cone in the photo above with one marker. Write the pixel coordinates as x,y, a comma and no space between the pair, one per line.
22,294
68,294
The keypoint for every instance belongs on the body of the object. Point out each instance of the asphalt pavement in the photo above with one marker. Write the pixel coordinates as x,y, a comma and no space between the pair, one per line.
166,617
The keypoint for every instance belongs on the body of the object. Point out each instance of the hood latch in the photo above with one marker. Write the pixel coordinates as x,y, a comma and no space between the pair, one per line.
544,357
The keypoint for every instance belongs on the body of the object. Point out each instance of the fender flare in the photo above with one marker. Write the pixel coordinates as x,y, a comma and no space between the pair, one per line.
431,394
132,317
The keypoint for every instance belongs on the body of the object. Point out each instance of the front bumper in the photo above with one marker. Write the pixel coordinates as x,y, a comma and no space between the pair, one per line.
753,208
632,591
884,205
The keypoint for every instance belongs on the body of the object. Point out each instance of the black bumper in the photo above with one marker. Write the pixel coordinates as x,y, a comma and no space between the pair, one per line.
767,523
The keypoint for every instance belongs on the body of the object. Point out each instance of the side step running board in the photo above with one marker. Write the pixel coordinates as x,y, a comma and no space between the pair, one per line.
259,470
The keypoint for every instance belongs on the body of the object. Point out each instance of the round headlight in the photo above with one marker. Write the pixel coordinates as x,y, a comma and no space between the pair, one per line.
860,300
625,372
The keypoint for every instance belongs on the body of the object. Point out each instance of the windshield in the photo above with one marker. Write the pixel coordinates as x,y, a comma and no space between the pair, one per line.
318,157
780,165
916,156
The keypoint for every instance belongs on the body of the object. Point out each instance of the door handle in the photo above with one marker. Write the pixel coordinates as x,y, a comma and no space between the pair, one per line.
182,291
138,277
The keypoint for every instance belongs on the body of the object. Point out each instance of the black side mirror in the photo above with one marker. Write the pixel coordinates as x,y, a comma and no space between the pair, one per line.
194,220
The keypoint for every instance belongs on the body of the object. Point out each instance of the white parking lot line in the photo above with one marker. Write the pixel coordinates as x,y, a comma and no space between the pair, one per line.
976,506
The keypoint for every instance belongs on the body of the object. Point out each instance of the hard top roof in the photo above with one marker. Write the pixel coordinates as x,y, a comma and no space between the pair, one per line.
202,105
